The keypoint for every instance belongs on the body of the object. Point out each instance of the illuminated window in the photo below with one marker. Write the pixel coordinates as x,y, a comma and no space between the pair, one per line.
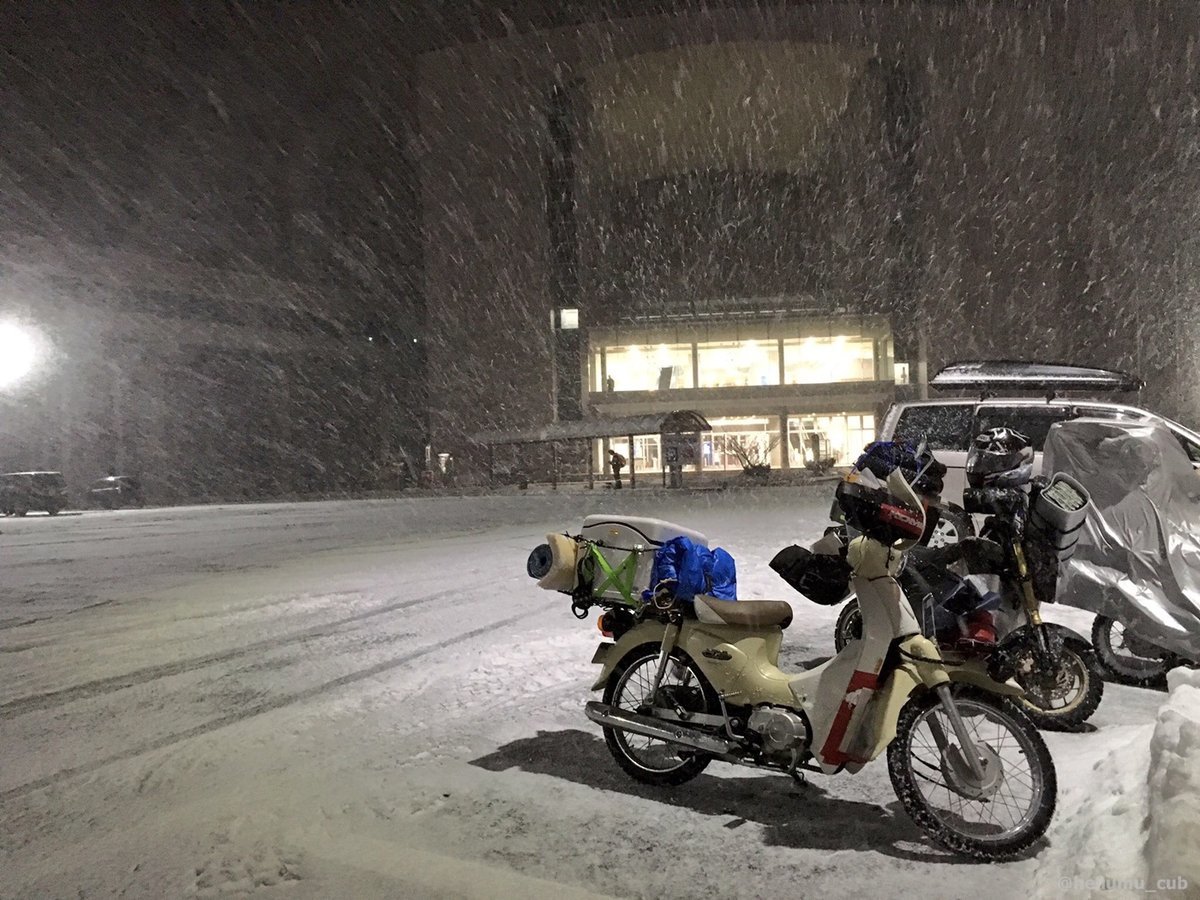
734,442
824,360
568,319
653,367
746,363
819,438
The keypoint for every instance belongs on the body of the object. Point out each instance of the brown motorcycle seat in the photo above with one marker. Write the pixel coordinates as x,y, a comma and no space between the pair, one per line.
747,613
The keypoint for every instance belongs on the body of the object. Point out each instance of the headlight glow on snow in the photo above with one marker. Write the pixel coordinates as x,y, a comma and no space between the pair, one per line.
17,353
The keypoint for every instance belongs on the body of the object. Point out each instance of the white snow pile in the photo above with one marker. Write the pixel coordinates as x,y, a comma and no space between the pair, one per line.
1134,825
1173,845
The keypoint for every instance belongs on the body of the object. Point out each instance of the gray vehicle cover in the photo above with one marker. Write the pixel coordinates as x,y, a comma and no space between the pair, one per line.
1138,556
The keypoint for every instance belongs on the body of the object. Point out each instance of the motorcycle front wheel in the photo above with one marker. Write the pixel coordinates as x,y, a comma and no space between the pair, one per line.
996,818
1062,700
1126,659
645,759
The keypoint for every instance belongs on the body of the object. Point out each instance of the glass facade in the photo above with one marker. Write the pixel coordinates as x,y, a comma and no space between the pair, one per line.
747,363
738,441
839,437
822,360
726,366
643,368
771,354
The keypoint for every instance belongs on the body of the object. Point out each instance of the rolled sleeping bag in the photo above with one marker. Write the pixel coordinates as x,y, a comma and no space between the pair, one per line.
556,563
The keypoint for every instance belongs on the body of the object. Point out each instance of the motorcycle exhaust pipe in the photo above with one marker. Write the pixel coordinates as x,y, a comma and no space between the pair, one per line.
647,726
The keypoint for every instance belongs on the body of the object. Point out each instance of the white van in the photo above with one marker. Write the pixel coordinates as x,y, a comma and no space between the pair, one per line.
949,426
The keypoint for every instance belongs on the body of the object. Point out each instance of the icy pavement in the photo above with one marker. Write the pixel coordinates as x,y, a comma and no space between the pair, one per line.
373,699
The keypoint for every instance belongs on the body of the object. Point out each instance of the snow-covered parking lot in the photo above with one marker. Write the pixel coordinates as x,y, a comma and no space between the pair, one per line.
373,699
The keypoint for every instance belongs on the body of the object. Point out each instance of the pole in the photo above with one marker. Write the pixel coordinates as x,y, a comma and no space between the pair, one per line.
632,464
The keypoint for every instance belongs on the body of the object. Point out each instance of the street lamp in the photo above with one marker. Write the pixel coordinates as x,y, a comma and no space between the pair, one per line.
18,351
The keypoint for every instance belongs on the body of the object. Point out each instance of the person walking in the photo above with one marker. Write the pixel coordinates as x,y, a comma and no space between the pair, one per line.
617,462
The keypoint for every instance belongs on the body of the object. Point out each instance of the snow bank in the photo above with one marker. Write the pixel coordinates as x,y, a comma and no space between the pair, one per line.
1173,844
1134,825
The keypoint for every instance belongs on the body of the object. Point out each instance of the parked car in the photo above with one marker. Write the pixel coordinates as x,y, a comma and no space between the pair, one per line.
22,492
949,425
116,491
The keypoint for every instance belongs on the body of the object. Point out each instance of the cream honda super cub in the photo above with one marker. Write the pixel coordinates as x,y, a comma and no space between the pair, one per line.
685,684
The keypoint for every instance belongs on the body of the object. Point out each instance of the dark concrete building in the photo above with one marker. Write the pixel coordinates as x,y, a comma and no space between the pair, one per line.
736,194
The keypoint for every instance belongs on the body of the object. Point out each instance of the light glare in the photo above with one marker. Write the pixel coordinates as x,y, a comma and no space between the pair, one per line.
17,353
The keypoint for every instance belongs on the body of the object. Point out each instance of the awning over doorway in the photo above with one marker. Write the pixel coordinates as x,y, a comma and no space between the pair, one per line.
681,421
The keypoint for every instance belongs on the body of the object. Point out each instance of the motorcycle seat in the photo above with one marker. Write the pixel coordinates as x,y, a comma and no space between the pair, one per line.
747,613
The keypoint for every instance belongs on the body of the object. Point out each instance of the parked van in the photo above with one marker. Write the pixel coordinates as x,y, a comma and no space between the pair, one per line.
950,425
22,492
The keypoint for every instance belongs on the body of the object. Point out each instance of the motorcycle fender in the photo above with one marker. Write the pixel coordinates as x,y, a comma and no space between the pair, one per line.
974,672
649,632
914,649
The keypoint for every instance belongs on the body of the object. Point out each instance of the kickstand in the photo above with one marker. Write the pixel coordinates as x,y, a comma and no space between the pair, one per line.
794,771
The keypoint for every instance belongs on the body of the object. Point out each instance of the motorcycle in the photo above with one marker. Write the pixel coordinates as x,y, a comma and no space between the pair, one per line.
1136,564
1056,666
689,682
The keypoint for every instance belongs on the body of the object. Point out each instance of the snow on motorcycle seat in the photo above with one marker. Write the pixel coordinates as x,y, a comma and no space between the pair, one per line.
747,613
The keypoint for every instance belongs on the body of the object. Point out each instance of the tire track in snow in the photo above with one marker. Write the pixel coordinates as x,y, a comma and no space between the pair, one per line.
260,708
113,683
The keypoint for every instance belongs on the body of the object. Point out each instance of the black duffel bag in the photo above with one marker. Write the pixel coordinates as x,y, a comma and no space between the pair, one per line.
821,577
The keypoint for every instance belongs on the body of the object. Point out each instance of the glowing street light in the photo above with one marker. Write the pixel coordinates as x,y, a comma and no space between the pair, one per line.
18,351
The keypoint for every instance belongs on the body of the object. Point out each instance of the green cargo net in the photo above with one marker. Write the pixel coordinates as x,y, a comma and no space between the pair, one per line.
620,578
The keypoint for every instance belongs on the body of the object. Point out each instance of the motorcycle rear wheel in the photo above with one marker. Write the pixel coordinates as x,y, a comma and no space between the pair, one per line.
1012,814
1120,658
645,759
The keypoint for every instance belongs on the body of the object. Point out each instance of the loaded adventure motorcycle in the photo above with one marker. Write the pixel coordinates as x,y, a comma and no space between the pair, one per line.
1031,526
688,679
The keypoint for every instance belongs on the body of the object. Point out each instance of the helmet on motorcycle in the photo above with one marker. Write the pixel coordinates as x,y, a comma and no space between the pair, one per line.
877,513
999,457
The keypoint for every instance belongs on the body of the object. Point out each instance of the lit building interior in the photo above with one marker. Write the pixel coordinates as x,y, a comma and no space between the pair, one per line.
789,394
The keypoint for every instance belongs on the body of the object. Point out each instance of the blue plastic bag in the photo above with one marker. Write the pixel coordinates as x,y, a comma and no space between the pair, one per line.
689,569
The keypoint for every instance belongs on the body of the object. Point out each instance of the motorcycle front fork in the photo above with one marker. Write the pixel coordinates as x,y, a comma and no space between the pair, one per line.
670,635
1032,606
965,742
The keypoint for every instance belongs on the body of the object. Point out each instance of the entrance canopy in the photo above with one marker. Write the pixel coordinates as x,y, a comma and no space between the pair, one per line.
680,421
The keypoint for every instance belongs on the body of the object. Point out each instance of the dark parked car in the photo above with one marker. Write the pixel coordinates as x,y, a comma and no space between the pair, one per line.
21,492
116,491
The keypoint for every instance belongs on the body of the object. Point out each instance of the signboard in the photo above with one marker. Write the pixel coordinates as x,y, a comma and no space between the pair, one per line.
681,449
